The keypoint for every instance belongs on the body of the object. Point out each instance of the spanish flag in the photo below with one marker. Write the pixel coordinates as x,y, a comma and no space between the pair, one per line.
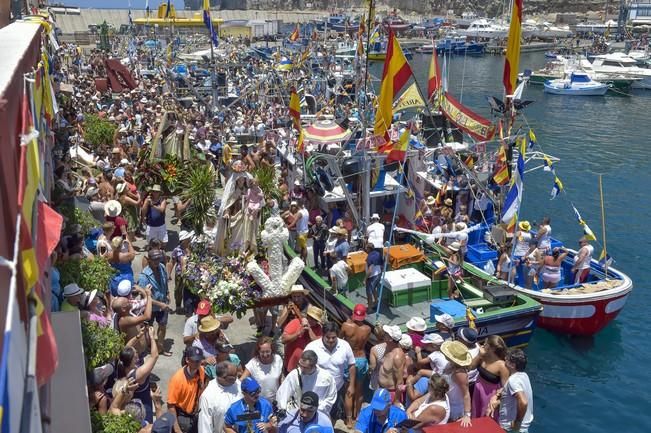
300,146
501,173
512,60
295,108
399,148
434,77
395,75
295,34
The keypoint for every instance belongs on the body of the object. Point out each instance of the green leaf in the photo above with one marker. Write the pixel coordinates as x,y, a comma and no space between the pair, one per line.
98,131
101,344
93,274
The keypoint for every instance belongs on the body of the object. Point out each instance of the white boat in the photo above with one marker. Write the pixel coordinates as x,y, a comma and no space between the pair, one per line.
599,28
485,29
548,31
577,84
624,65
467,18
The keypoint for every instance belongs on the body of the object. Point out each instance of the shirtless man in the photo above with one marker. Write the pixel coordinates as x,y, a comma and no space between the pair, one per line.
390,364
356,333
131,325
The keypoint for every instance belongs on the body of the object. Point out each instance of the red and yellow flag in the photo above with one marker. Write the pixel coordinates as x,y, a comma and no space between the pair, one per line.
295,108
501,172
295,34
300,146
512,60
399,148
434,76
395,75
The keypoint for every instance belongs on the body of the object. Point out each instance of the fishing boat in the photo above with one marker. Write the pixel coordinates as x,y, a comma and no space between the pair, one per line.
414,288
396,24
569,308
577,84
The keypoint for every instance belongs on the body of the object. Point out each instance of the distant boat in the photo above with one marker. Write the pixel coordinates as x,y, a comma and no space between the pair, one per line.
485,29
578,84
396,24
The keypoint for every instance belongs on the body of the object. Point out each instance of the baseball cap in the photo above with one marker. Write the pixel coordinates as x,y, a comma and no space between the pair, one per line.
359,312
203,308
432,339
194,353
249,385
309,400
445,319
164,423
381,399
124,288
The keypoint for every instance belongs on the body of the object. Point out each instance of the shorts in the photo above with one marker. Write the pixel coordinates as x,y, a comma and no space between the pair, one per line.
160,317
361,367
159,233
301,241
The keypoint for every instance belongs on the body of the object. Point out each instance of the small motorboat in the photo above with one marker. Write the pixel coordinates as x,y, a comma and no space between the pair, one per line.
578,84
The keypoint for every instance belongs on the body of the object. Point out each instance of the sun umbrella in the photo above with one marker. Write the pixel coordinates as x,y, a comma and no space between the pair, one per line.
325,131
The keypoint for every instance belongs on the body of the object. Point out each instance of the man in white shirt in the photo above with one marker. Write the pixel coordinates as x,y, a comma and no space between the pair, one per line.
515,399
375,232
307,377
339,276
336,356
582,261
218,396
302,229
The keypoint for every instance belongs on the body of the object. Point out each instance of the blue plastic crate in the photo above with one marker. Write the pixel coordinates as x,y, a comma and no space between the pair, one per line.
480,253
454,308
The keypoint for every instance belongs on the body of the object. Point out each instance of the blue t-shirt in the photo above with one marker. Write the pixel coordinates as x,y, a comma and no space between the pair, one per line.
239,407
159,291
342,249
374,258
294,424
368,423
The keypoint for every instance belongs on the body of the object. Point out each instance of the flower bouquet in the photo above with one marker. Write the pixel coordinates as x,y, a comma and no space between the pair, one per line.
222,280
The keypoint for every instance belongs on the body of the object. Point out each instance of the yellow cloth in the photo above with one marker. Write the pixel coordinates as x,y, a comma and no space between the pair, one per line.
65,306
357,262
401,255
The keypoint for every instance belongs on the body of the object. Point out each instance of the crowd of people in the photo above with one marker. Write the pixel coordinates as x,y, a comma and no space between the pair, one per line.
306,372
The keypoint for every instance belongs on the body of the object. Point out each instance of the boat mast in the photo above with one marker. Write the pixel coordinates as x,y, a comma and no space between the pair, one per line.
366,166
603,226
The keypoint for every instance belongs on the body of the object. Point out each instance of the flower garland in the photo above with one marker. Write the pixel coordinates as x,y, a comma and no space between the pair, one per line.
224,281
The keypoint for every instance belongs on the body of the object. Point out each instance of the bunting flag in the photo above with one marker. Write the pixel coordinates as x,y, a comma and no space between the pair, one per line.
587,232
465,119
399,148
295,34
410,99
300,144
510,227
557,188
207,21
548,164
514,195
362,27
295,108
501,172
433,78
441,193
512,58
532,139
395,75
605,259
375,35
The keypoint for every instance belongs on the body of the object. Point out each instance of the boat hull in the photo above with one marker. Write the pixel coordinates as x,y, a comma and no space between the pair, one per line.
573,91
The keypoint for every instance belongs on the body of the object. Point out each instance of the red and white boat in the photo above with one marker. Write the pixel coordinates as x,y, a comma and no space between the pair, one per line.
396,24
582,309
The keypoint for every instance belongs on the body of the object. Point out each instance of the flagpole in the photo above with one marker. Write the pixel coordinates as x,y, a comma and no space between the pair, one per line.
603,226
366,175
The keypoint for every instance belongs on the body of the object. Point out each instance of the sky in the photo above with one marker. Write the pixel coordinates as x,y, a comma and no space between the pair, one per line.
118,4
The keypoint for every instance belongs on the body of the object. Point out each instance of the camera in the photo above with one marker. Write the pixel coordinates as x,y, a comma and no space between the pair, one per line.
249,416
280,414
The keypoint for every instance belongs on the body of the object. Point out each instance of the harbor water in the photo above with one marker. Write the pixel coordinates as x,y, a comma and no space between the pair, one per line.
583,384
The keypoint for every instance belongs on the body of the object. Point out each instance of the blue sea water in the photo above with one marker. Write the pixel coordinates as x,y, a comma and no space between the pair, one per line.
594,384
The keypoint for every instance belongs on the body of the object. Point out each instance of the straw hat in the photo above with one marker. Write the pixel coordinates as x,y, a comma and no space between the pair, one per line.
448,202
416,324
406,342
457,352
524,225
156,188
431,201
454,246
315,312
112,208
297,288
209,324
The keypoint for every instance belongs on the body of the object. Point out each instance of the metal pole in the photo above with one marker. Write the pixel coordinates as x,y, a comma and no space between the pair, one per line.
366,172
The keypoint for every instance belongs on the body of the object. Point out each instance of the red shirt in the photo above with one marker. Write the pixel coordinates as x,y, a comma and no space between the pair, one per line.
294,350
119,223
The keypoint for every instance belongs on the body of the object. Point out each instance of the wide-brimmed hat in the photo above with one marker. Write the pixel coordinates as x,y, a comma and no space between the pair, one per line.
209,324
445,319
99,374
375,216
184,234
416,324
406,342
156,188
112,208
454,246
457,352
72,289
448,202
92,192
297,288
393,331
524,225
432,339
315,312
431,201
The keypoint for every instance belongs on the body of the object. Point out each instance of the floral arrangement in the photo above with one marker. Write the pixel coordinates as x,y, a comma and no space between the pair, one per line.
165,172
222,280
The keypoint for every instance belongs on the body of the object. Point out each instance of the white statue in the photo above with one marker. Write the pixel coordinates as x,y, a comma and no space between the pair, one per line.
277,283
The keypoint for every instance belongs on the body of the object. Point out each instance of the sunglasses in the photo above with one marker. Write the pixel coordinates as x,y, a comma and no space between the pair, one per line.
254,393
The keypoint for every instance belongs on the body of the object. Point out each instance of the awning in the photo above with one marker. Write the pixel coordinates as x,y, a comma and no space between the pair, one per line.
325,131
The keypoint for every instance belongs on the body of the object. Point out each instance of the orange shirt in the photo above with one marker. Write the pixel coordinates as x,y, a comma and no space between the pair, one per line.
294,350
183,391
